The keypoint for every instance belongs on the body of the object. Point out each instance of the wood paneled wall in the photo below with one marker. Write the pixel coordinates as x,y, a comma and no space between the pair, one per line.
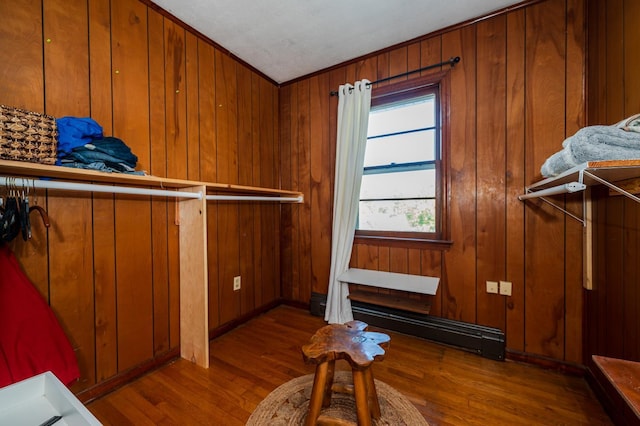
109,264
516,94
612,321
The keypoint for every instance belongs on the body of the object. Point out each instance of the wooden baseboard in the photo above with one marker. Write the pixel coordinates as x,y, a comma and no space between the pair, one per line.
121,379
547,363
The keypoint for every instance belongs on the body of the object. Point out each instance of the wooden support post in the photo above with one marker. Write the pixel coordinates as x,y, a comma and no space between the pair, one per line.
194,299
587,241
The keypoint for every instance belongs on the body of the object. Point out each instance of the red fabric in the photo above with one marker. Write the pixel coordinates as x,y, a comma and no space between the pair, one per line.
31,339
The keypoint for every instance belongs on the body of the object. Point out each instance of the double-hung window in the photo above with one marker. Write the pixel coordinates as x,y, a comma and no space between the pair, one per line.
403,182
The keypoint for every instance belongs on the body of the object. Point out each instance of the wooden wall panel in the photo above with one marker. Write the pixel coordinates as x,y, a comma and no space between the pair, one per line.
133,237
103,204
70,242
320,182
303,143
515,179
544,297
193,100
517,92
459,292
159,206
491,173
575,118
270,221
245,177
287,249
110,265
631,58
208,164
227,171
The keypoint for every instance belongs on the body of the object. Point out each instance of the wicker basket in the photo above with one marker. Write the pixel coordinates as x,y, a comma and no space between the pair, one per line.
27,136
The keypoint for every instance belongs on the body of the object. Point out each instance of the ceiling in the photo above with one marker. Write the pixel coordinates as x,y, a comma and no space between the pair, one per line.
286,39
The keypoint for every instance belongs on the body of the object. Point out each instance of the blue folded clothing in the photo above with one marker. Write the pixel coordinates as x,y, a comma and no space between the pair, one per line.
74,132
108,149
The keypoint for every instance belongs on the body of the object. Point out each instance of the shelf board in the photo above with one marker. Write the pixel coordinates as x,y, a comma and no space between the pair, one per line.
26,169
610,170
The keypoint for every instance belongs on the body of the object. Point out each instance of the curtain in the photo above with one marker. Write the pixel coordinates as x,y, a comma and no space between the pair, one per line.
354,103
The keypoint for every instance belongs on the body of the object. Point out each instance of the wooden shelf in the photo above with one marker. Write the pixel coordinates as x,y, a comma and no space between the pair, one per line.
194,316
25,169
611,171
624,377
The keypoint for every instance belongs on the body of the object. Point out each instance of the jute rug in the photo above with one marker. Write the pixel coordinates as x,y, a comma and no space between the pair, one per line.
287,405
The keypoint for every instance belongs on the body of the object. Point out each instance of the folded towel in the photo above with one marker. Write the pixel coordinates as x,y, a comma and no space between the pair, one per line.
593,143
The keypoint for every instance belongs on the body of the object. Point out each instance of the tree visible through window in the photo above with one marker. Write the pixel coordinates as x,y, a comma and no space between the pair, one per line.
402,179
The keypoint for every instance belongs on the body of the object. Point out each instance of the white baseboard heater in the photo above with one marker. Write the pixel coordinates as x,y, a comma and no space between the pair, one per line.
487,342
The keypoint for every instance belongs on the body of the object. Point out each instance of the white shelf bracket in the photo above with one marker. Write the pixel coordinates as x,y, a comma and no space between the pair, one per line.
613,187
567,188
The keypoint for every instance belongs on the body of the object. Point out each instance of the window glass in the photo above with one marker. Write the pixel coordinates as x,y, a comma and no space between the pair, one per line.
399,191
399,116
401,148
411,184
399,216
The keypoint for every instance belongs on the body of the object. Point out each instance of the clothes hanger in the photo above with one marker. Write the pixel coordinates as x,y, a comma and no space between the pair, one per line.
10,221
43,213
25,222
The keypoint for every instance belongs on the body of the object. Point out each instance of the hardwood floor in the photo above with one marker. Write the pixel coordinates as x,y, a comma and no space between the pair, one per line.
449,386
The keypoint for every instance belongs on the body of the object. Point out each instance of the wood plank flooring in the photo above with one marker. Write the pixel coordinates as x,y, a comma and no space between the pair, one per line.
449,386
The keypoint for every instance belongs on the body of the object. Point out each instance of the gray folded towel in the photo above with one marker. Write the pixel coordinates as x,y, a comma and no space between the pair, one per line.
593,143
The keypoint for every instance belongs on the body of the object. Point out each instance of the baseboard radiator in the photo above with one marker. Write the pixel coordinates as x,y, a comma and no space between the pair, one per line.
487,342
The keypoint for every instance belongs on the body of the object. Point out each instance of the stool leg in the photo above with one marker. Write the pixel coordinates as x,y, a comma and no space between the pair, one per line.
326,399
317,394
360,390
374,405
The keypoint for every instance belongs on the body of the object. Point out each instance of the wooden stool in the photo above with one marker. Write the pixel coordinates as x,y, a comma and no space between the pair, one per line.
360,349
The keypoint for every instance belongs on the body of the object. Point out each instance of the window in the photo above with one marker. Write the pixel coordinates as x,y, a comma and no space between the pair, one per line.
403,181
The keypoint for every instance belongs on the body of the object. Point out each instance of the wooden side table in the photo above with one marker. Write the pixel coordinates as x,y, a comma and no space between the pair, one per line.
360,349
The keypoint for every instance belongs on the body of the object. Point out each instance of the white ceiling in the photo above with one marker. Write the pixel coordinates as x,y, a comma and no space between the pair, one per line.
286,39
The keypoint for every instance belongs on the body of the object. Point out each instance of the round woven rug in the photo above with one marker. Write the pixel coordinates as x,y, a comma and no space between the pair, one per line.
287,405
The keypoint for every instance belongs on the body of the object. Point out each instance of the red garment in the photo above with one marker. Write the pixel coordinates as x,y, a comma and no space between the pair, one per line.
31,339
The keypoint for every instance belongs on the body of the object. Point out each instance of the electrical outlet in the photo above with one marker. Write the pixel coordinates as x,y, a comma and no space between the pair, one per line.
492,287
505,288
237,283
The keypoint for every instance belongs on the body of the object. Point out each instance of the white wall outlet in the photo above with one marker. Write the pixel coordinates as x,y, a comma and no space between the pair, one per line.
237,283
492,287
505,288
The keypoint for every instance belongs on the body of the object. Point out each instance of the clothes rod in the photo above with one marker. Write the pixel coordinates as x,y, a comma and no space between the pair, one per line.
252,198
556,190
26,184
452,62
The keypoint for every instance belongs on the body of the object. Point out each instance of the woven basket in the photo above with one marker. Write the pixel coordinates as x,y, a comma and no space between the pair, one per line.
27,136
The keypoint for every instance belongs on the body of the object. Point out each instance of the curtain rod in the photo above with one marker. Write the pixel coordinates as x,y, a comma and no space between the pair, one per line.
452,62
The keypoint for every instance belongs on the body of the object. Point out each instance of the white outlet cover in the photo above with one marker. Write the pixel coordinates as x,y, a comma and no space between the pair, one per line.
505,288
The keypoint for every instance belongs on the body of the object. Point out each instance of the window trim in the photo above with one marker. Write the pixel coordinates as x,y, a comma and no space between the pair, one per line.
396,91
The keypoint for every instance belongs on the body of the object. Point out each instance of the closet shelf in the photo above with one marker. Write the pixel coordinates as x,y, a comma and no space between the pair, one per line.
590,173
192,203
615,174
25,169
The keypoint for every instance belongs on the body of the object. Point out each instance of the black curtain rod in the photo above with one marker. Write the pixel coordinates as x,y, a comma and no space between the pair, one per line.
451,61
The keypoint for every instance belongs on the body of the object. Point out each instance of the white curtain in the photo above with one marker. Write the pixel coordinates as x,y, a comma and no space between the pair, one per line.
353,120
